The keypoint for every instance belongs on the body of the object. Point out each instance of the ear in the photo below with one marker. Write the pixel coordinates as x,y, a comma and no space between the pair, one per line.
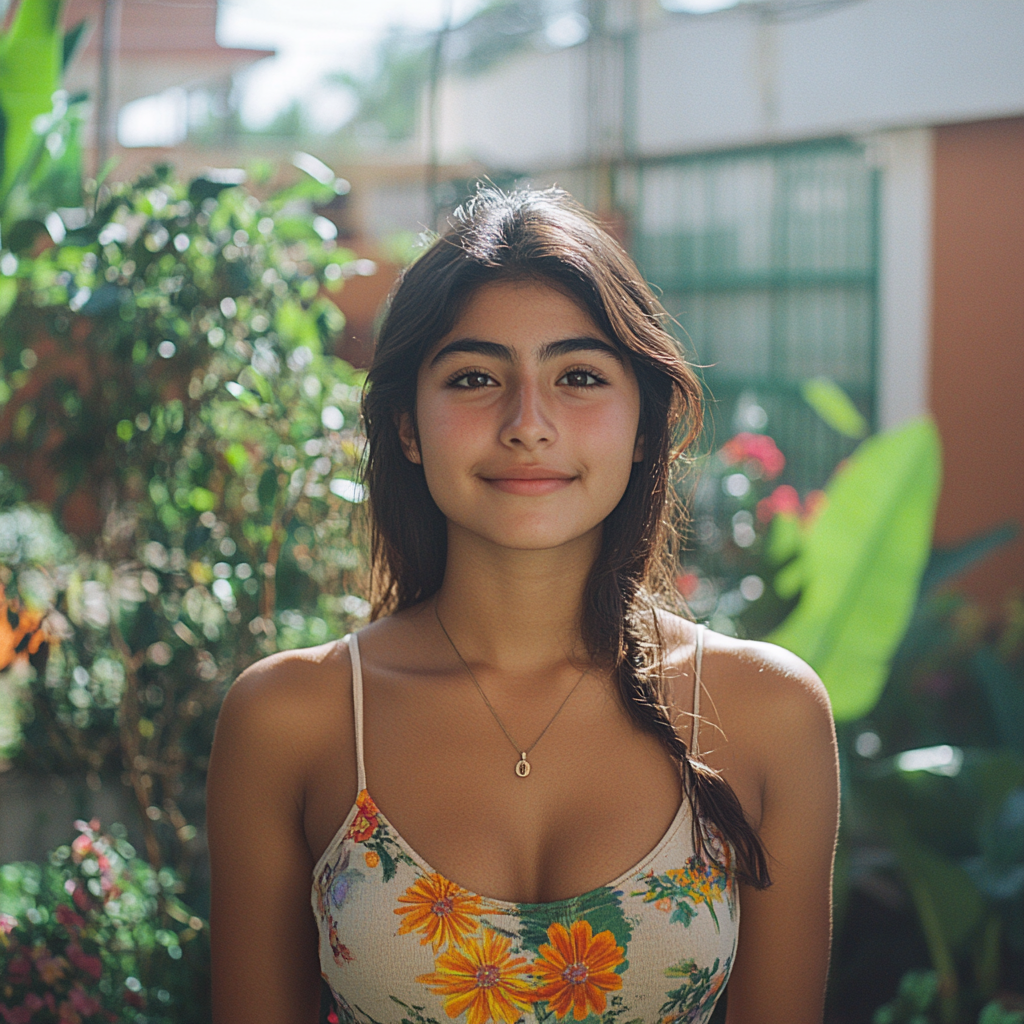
638,449
407,436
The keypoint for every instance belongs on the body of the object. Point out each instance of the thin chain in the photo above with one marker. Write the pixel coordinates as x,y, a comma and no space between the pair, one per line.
490,706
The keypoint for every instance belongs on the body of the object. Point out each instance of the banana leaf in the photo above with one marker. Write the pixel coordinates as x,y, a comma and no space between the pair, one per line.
860,564
31,63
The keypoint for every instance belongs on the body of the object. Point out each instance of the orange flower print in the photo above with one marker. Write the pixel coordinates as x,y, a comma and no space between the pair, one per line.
576,969
703,882
365,822
372,858
443,911
480,978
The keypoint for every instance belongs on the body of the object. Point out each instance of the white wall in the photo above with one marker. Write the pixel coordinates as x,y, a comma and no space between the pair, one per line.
737,78
524,114
905,271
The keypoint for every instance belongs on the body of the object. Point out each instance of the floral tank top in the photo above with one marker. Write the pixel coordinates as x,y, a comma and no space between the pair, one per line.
402,944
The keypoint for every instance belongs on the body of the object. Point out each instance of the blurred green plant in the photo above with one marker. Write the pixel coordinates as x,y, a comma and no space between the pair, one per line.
167,392
97,934
40,125
933,803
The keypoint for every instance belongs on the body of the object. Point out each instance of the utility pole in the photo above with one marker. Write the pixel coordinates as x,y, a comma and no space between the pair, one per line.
433,118
106,105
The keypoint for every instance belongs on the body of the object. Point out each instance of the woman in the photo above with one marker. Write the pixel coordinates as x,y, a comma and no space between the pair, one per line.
521,722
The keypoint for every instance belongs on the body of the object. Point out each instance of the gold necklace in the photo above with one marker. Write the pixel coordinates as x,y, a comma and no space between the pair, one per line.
522,768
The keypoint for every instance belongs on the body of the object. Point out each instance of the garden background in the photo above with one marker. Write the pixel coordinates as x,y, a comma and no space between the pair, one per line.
827,196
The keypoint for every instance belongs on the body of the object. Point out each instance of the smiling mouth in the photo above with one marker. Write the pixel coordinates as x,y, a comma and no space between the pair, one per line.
529,485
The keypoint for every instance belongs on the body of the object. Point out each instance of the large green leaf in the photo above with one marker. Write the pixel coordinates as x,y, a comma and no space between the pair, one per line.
834,406
31,60
948,902
860,565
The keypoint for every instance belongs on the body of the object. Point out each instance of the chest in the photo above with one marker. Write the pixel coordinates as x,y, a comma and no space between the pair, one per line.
655,943
600,795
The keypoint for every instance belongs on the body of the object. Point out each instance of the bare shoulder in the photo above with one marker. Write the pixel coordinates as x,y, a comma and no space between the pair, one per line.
292,678
762,677
764,713
287,705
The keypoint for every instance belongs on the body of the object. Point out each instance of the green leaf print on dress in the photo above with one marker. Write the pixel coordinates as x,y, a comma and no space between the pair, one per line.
682,890
687,1003
381,847
602,908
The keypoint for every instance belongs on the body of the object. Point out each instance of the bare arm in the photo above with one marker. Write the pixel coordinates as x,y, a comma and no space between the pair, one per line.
265,962
785,931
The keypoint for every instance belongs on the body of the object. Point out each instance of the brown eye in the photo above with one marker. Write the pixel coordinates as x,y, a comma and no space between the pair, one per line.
473,379
580,379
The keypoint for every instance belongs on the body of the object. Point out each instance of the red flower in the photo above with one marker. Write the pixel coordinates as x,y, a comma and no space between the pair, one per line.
784,500
16,1015
81,848
365,822
82,1002
67,917
81,898
84,961
19,970
758,448
814,503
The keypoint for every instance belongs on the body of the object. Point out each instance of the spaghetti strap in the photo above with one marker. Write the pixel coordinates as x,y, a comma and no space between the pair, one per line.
698,657
357,708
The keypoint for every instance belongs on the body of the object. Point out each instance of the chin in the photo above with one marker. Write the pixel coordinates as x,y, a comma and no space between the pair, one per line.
542,536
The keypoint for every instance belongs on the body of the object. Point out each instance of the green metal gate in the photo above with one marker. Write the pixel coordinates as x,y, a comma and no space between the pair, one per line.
768,261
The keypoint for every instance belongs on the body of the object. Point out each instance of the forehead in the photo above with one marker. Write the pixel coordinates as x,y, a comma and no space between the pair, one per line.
524,314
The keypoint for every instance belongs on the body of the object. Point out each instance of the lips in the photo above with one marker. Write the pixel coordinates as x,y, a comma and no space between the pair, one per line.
529,481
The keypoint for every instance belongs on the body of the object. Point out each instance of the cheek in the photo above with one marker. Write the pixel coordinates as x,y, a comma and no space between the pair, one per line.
609,432
446,429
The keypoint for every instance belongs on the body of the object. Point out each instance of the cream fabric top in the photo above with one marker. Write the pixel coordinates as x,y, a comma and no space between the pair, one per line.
402,944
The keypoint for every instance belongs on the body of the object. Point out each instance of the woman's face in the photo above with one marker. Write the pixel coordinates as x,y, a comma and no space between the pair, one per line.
527,419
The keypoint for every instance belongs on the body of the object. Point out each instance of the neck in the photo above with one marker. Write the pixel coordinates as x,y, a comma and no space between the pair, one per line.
515,610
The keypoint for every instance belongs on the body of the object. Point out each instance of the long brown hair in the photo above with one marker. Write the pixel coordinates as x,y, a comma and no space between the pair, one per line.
547,236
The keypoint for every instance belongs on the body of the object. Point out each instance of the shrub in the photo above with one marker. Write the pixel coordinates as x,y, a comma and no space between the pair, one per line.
168,394
97,934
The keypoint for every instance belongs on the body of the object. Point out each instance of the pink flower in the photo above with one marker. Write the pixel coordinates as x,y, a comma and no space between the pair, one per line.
7,924
686,584
758,448
784,500
81,848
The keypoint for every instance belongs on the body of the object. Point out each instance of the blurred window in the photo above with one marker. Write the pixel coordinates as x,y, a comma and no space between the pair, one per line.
768,260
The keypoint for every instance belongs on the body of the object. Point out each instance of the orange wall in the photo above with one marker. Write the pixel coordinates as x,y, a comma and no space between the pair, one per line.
977,372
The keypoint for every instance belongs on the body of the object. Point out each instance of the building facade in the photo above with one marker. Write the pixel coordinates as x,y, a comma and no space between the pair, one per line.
819,189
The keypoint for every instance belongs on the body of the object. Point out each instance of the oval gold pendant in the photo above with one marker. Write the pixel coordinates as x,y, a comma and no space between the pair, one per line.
523,767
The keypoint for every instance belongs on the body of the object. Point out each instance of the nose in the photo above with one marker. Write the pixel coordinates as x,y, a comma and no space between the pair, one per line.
527,425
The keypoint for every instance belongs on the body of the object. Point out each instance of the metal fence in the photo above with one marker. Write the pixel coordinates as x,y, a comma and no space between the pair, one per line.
768,260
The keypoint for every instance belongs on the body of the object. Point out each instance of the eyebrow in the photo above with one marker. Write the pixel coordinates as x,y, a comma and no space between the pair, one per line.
552,350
